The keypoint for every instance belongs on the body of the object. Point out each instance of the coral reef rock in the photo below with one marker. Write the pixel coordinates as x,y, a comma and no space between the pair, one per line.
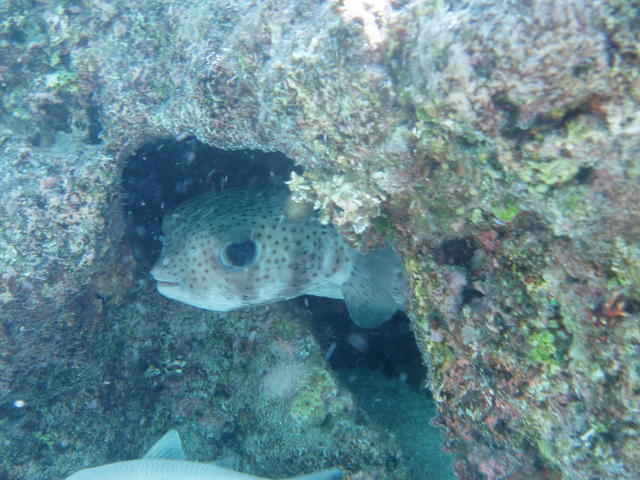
495,144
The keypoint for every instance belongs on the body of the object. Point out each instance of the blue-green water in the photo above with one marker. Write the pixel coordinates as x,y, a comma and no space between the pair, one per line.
405,413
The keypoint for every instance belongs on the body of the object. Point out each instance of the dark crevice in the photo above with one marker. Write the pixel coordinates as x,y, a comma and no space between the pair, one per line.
469,294
510,127
390,348
457,252
16,35
545,122
163,174
570,114
632,306
95,127
585,176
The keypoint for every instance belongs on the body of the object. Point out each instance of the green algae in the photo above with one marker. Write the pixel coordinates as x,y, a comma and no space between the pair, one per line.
311,406
542,348
506,210
625,267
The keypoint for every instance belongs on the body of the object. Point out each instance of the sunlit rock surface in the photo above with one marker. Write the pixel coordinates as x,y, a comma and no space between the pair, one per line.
495,143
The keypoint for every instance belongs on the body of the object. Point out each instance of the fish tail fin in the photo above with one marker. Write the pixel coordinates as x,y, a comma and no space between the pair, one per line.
376,288
331,474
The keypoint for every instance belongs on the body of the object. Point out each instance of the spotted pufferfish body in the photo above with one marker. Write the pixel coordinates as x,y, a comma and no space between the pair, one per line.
237,248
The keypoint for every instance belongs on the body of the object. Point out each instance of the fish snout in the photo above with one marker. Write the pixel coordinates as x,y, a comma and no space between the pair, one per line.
162,276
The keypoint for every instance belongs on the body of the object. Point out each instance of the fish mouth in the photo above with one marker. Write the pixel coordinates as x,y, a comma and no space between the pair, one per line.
160,281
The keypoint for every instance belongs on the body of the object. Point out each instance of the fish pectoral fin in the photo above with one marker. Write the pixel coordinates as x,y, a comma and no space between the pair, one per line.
168,447
331,474
376,288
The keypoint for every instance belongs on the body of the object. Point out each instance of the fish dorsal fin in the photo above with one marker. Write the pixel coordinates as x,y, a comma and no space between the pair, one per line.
168,447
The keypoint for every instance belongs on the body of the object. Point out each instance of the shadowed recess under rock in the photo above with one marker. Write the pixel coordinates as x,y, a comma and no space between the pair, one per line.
237,243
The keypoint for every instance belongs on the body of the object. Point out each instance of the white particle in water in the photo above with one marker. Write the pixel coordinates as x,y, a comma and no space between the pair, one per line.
330,350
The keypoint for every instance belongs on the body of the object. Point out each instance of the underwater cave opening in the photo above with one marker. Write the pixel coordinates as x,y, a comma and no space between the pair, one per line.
382,367
390,348
164,173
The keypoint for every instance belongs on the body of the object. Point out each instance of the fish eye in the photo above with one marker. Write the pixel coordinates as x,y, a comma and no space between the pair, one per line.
239,255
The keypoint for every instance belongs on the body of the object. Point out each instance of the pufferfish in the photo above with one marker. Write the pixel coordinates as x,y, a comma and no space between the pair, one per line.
237,248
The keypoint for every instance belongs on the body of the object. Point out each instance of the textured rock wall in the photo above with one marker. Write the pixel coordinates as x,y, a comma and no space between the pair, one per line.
496,143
